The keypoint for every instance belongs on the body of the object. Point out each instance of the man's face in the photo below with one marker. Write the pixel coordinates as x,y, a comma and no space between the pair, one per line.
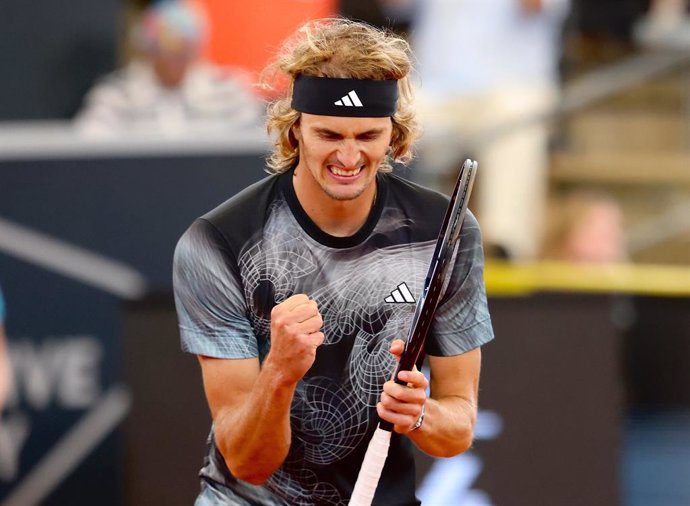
342,155
171,69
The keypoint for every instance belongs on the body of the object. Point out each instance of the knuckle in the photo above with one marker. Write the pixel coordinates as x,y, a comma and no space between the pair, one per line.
275,311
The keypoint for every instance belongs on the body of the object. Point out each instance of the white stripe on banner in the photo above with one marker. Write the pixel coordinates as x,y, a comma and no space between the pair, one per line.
71,261
72,449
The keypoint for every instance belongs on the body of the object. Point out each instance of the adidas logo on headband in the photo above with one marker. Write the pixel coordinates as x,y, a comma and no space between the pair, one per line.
373,98
350,100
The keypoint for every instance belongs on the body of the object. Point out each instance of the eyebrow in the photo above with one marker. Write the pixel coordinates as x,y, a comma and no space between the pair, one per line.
331,133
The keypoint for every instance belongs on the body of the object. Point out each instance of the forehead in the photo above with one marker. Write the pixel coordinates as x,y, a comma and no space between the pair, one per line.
344,125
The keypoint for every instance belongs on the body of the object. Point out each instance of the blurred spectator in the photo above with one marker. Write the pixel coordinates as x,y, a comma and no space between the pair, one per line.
5,367
485,65
666,25
584,226
167,88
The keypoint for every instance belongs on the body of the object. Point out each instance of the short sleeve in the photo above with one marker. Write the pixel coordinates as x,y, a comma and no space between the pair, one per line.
462,320
210,306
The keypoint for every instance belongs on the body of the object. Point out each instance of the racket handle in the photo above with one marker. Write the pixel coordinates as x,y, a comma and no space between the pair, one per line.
370,472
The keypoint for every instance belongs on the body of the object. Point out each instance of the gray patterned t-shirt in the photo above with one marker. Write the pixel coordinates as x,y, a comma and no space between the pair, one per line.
259,248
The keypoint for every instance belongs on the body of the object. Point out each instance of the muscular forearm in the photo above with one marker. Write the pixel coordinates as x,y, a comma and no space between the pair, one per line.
254,438
250,403
448,427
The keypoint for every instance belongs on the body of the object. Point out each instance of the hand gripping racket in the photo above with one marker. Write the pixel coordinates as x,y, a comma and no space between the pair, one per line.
448,238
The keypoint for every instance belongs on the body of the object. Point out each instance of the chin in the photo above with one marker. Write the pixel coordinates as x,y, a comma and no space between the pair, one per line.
344,195
345,192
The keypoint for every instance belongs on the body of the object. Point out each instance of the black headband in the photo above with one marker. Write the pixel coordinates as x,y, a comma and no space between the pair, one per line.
360,98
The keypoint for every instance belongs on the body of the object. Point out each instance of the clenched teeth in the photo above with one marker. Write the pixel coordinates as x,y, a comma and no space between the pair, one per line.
349,173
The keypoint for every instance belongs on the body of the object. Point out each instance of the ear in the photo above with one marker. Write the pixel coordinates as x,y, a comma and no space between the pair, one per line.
296,131
294,136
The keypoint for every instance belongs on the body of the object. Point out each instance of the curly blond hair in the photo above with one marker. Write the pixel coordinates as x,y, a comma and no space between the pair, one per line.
340,48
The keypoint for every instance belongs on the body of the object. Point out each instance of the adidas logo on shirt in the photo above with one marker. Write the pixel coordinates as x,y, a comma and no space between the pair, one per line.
350,100
401,295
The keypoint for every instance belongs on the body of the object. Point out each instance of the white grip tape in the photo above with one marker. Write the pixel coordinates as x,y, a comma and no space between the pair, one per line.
370,472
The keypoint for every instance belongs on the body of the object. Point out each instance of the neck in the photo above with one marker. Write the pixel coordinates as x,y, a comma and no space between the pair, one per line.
339,218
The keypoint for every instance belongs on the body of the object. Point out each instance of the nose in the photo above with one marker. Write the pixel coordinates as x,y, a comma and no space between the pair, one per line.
349,155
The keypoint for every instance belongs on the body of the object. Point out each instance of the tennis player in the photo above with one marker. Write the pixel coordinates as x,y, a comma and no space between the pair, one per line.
295,293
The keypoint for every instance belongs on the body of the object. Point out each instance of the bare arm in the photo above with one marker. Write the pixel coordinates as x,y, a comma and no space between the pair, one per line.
450,412
250,405
250,410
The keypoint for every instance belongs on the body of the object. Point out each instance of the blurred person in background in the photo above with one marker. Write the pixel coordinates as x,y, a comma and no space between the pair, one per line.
5,366
584,226
666,24
485,65
167,88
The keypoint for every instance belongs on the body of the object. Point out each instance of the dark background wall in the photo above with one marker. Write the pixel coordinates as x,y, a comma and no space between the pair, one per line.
51,52
131,210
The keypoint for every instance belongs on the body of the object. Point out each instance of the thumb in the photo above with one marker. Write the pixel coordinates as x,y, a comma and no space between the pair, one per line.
397,347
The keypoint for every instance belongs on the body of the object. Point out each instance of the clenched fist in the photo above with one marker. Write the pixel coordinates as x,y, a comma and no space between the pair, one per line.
295,335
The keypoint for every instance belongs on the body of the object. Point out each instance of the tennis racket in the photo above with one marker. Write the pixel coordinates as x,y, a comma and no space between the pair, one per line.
449,235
